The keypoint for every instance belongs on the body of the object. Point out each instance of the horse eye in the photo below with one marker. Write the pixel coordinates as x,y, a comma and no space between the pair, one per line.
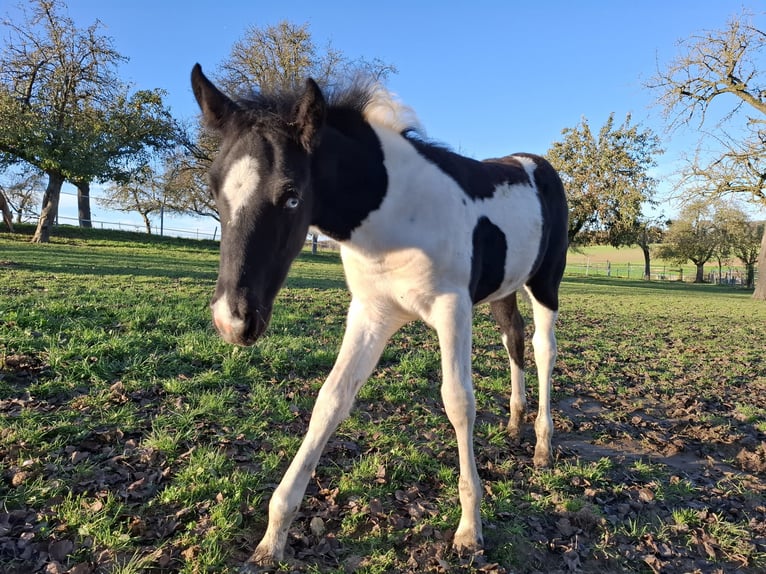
292,202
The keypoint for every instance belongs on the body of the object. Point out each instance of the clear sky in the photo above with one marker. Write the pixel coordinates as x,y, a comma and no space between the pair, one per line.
487,78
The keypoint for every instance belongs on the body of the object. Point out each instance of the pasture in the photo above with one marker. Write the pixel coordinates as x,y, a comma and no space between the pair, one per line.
628,262
132,439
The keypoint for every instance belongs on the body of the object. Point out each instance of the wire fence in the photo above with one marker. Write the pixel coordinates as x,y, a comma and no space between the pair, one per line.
161,231
726,274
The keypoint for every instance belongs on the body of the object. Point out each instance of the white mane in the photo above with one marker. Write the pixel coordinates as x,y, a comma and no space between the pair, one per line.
385,109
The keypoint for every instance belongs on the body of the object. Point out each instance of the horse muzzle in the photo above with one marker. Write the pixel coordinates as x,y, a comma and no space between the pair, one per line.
239,324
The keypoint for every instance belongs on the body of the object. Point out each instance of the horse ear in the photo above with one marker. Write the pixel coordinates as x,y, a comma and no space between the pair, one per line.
310,112
215,105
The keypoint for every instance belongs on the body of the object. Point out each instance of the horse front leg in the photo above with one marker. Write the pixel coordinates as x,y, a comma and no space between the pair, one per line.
368,328
451,317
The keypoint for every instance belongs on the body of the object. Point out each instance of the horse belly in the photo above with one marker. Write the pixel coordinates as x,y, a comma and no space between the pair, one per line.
408,278
515,216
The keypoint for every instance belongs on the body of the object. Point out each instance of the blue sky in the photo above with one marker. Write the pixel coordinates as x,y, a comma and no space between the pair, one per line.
485,77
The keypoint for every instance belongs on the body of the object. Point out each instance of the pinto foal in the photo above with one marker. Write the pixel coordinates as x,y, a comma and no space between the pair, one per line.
424,234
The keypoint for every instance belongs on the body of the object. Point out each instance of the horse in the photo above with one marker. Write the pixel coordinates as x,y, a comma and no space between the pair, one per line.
424,233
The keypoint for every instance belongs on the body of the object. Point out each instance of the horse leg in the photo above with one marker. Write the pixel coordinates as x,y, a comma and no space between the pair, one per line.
507,316
544,345
368,328
451,316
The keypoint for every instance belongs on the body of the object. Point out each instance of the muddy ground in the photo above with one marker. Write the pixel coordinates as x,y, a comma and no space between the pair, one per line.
701,442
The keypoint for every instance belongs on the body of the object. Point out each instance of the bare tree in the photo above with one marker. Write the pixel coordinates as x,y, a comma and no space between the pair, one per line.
21,188
282,56
265,59
141,193
723,65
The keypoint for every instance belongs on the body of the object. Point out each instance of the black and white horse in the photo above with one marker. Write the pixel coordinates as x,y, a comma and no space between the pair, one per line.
424,234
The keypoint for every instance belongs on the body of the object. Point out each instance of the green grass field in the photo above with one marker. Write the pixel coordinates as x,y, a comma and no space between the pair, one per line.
132,439
628,262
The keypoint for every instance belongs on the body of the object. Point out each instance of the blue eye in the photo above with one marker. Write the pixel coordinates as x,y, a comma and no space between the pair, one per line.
292,202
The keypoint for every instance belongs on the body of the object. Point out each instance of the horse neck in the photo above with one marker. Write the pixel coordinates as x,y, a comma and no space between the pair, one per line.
350,179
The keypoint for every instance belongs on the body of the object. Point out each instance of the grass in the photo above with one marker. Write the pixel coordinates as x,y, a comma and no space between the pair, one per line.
628,262
132,431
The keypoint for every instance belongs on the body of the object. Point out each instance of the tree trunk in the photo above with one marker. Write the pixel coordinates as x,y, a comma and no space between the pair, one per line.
314,243
720,271
147,223
760,285
700,277
647,262
83,203
50,208
7,215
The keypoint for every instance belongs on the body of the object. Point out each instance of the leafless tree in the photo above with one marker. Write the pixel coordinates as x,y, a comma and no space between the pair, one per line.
725,66
265,59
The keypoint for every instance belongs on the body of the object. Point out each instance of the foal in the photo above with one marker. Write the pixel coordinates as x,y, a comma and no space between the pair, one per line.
424,234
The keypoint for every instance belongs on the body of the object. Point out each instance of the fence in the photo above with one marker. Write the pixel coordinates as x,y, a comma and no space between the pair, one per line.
727,274
162,231
735,275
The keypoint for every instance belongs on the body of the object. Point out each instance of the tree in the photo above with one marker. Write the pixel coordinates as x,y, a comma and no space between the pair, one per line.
723,66
142,193
5,211
648,231
606,178
51,73
282,56
747,246
691,237
267,59
741,237
132,132
64,110
185,182
20,188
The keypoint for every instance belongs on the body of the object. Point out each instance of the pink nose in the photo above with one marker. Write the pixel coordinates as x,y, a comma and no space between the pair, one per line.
239,328
224,327
228,327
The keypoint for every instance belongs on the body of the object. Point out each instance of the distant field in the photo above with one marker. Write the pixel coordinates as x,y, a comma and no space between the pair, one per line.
628,262
133,440
603,253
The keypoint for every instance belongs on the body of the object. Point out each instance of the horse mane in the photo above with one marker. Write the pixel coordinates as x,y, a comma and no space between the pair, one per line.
365,96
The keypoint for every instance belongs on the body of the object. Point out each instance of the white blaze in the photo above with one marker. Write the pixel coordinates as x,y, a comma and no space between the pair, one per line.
223,318
240,183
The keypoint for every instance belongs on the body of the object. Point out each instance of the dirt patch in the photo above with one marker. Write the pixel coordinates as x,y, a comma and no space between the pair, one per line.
686,454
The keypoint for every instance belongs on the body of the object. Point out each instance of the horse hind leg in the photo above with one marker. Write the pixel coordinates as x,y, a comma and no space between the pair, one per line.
545,348
508,317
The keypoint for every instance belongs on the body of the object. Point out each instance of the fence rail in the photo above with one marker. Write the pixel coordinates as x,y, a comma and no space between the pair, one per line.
171,231
735,275
726,275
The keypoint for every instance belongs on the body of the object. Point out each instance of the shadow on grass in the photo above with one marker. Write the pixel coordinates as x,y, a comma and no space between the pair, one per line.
113,235
109,253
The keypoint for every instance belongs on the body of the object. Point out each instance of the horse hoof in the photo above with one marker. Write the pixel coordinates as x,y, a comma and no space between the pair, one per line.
262,560
467,543
514,433
542,459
